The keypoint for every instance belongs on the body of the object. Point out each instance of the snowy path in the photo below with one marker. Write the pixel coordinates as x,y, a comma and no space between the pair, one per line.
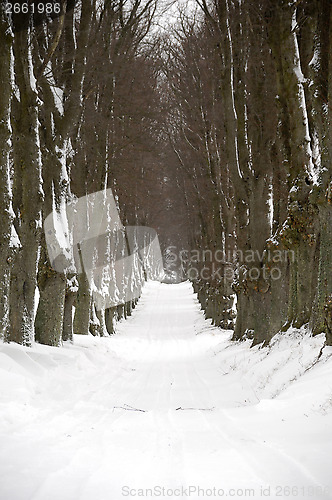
152,407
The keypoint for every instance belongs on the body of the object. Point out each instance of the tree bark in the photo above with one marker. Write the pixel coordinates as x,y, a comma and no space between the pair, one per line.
67,332
49,319
6,219
82,306
27,166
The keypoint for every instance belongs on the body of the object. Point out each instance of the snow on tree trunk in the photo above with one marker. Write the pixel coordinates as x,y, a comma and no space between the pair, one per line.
6,228
29,195
299,231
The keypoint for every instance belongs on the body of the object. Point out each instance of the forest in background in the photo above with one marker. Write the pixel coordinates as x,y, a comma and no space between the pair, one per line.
214,131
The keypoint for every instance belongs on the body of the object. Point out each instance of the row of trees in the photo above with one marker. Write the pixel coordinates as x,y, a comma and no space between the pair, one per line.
251,88
216,134
78,114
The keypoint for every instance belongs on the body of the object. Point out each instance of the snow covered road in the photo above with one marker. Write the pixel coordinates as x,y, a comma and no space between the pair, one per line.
166,408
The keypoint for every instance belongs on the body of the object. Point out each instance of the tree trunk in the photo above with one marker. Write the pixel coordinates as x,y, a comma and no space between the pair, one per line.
102,322
300,231
322,313
27,167
67,333
110,319
49,318
5,194
82,306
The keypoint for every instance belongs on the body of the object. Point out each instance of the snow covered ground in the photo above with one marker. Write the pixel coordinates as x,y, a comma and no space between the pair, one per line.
167,408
